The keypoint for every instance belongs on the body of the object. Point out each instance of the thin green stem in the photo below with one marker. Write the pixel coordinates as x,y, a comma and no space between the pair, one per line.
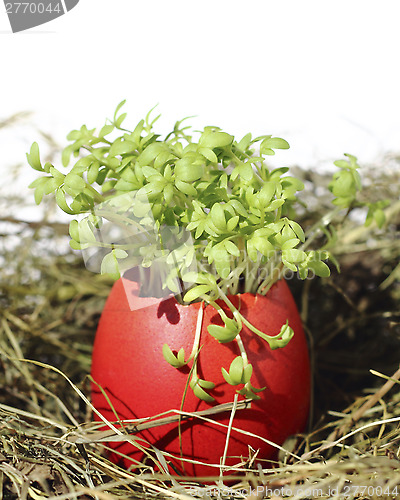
242,320
228,434
235,312
276,276
193,371
251,275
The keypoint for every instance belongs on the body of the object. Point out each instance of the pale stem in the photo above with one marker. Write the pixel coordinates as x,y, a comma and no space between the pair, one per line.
276,276
242,350
197,335
228,432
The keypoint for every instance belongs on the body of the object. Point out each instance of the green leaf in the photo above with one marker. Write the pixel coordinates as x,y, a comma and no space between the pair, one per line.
196,385
294,256
120,119
249,392
120,147
236,370
303,271
76,205
37,182
75,245
154,188
34,157
231,248
283,338
222,333
110,265
266,193
65,155
195,292
245,170
341,163
200,229
290,243
353,160
181,356
247,373
217,215
289,264
62,203
185,188
244,143
239,374
120,253
86,234
205,279
168,193
102,176
107,186
206,384
55,173
47,166
263,245
149,172
113,163
320,268
74,230
232,223
188,169
239,208
251,250
226,376
290,186
298,230
357,179
342,185
222,266
277,143
118,108
74,182
380,218
164,158
151,152
74,135
175,361
39,193
270,143
136,134
209,154
105,130
213,140
93,172
51,185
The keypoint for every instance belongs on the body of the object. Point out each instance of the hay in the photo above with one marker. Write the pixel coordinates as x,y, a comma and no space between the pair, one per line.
49,308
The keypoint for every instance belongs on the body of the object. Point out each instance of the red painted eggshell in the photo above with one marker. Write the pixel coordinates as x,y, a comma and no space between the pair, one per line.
129,366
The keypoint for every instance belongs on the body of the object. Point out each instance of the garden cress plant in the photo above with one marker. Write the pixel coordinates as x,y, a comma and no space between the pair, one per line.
203,215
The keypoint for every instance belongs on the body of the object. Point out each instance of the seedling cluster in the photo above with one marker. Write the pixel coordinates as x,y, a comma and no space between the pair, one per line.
205,217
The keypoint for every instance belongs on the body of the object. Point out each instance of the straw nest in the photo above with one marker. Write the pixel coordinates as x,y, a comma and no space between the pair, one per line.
49,308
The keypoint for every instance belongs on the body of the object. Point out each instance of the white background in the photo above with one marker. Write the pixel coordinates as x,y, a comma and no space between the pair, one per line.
322,74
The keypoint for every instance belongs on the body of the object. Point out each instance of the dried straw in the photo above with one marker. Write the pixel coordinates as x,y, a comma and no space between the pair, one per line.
50,446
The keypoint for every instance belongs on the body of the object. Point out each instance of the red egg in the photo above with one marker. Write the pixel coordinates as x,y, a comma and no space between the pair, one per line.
128,364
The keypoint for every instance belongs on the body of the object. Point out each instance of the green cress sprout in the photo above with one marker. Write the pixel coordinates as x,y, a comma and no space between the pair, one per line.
206,210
